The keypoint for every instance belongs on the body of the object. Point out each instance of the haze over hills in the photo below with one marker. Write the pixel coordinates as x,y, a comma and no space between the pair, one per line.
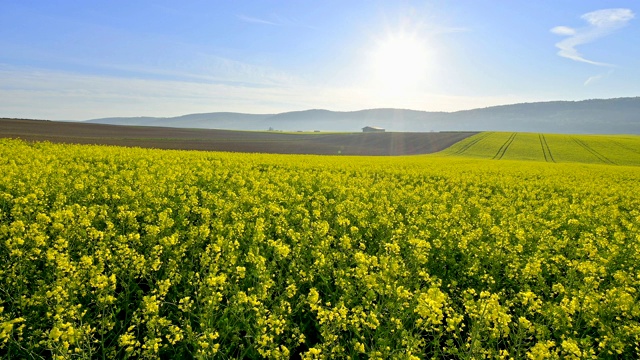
599,116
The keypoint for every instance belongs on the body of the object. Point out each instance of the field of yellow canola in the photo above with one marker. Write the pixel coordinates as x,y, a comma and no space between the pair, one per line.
594,149
113,252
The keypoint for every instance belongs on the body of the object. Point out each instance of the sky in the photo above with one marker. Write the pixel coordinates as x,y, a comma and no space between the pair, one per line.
79,60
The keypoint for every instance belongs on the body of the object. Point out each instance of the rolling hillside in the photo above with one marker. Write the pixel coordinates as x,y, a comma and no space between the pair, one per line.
609,116
595,149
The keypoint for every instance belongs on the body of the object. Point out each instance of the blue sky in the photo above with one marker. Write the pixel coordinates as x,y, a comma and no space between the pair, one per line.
76,60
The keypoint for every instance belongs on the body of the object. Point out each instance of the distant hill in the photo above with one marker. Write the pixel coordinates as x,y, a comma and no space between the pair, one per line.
601,116
218,120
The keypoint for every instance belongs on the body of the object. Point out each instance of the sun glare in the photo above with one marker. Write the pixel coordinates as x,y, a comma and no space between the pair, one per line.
399,64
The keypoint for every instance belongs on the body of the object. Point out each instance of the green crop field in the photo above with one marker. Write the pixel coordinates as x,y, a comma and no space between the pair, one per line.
595,149
111,252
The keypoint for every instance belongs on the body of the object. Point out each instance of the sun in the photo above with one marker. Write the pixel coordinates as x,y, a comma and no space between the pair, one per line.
399,63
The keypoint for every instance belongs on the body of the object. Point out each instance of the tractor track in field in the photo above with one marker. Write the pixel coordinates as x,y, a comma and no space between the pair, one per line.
503,149
467,146
545,148
599,156
628,148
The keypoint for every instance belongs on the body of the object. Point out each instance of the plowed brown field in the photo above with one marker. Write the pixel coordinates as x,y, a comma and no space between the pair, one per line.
388,143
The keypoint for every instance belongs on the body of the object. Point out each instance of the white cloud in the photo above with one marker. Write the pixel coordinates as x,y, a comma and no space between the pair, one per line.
563,30
609,18
601,23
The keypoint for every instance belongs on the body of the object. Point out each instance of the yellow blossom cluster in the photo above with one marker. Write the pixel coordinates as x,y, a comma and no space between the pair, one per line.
111,252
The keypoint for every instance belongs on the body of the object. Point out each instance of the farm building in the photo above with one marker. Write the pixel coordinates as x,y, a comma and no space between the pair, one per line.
372,129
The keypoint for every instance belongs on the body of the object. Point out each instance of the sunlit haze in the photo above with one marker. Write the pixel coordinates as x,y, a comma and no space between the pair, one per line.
399,66
69,60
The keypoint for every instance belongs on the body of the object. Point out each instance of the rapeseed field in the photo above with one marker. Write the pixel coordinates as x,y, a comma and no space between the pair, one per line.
112,252
593,149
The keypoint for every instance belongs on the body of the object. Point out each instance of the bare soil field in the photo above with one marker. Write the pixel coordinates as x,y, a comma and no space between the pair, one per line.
388,143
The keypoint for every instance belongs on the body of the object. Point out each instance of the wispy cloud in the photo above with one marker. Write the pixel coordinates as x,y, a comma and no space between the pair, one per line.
254,20
600,23
596,78
70,96
275,20
592,79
